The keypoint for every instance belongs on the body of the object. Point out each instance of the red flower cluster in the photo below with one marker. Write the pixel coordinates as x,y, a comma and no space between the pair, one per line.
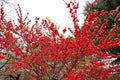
47,55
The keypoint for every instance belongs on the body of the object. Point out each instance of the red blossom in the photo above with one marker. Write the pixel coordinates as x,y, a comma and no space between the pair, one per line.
1,57
64,30
117,18
103,13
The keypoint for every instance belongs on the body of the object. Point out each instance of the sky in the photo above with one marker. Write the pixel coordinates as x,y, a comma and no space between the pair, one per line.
54,9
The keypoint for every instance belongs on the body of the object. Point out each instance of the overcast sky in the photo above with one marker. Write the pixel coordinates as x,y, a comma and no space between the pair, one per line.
55,9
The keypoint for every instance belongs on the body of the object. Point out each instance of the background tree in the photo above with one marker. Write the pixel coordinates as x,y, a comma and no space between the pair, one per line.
104,8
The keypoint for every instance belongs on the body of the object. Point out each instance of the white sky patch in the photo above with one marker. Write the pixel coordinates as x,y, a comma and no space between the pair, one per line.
54,9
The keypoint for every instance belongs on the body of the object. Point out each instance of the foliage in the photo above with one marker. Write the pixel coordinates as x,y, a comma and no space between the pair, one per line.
107,9
105,6
44,54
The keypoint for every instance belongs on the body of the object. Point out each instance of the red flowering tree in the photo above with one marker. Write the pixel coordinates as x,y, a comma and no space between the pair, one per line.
41,52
